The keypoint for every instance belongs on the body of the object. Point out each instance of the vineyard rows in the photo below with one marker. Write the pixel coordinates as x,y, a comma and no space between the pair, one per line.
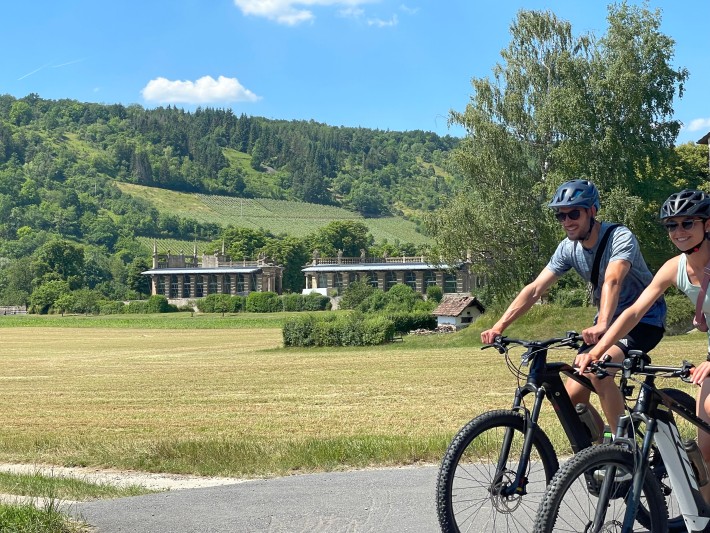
279,217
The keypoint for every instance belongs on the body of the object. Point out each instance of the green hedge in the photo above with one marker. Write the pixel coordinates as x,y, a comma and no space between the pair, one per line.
406,322
263,302
305,302
333,330
220,303
112,308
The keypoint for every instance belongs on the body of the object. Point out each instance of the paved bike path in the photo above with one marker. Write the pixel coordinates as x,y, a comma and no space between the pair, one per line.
396,500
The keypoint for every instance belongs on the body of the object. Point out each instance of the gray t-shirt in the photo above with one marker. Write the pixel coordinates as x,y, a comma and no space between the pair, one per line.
622,245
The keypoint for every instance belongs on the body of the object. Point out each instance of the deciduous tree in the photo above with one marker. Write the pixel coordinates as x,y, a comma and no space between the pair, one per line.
557,107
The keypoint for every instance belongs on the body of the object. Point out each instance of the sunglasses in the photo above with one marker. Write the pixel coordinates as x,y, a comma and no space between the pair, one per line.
573,215
687,224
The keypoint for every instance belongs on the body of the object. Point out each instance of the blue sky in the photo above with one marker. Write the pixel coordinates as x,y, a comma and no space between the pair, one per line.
391,65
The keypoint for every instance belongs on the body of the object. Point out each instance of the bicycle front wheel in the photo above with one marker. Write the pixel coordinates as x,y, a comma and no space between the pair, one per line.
572,498
474,494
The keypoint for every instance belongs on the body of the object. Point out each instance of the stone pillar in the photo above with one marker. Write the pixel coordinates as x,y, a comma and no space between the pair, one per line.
381,280
193,285
329,277
420,281
181,284
220,283
154,284
440,280
400,276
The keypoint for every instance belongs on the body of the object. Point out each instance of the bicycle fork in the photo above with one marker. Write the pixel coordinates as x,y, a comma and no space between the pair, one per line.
518,484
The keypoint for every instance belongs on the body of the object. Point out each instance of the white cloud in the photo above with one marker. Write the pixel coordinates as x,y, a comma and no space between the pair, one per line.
205,90
698,124
384,23
292,12
351,12
409,10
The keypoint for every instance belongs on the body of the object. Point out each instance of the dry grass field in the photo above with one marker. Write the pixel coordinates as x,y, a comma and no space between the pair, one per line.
233,402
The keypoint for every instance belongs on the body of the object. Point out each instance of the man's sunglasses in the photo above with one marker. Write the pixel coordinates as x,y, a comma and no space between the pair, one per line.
573,215
687,224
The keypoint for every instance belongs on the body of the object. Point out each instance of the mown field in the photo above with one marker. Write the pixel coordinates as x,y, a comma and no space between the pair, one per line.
277,216
152,393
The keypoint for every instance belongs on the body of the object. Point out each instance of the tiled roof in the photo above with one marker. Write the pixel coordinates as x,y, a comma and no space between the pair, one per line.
455,304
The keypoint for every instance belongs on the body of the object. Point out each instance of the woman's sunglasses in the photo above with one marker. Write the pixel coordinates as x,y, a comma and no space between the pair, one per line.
573,215
687,224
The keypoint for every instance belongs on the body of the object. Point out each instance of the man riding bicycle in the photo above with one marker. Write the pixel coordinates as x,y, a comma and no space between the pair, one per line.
622,276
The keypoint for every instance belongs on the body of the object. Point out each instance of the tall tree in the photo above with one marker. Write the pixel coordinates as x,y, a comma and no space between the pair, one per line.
292,254
347,235
558,107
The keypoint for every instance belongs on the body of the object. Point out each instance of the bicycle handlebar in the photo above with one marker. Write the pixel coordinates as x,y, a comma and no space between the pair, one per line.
501,342
638,362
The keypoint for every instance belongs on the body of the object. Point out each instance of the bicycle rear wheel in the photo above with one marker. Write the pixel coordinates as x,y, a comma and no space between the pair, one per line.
572,498
472,494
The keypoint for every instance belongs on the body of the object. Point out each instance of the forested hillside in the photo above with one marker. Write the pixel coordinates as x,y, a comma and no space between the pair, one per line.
67,225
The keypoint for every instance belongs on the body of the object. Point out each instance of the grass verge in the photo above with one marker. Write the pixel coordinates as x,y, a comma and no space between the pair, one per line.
63,488
29,519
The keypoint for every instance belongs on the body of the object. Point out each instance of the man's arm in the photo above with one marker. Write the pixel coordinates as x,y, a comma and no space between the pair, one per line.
613,278
525,299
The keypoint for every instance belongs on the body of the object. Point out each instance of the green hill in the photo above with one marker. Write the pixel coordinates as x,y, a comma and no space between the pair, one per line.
279,217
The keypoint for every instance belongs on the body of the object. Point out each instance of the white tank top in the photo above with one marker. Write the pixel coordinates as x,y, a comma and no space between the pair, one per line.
691,291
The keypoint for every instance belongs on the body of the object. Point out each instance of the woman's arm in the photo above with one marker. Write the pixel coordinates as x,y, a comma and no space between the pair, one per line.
664,278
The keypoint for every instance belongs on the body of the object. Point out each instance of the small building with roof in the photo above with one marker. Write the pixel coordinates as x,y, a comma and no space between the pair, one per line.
458,310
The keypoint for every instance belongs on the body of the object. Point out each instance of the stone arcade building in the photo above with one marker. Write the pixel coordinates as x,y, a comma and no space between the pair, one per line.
186,277
333,274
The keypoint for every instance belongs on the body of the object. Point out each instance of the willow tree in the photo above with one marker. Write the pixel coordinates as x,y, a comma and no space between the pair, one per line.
557,107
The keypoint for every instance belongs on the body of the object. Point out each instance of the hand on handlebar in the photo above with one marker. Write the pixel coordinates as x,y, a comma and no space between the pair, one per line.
582,362
592,335
699,373
587,363
489,336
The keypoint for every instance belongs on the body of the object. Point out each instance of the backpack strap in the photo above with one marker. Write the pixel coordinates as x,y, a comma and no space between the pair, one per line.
699,320
594,279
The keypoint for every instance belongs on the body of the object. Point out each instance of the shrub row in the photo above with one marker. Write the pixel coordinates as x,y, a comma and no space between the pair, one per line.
406,322
337,330
262,302
154,304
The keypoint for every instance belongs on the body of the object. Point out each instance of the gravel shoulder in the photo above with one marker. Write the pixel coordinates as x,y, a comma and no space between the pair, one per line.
123,478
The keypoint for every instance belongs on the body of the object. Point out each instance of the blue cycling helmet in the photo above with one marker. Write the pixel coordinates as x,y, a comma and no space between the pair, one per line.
686,203
576,193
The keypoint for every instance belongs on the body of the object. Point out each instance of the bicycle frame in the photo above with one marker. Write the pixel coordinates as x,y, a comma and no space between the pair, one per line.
655,409
544,381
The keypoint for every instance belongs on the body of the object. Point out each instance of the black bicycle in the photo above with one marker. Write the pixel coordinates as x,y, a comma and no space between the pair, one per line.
496,469
612,487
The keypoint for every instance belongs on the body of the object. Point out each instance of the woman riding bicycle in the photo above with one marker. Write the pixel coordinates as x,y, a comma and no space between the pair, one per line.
686,216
